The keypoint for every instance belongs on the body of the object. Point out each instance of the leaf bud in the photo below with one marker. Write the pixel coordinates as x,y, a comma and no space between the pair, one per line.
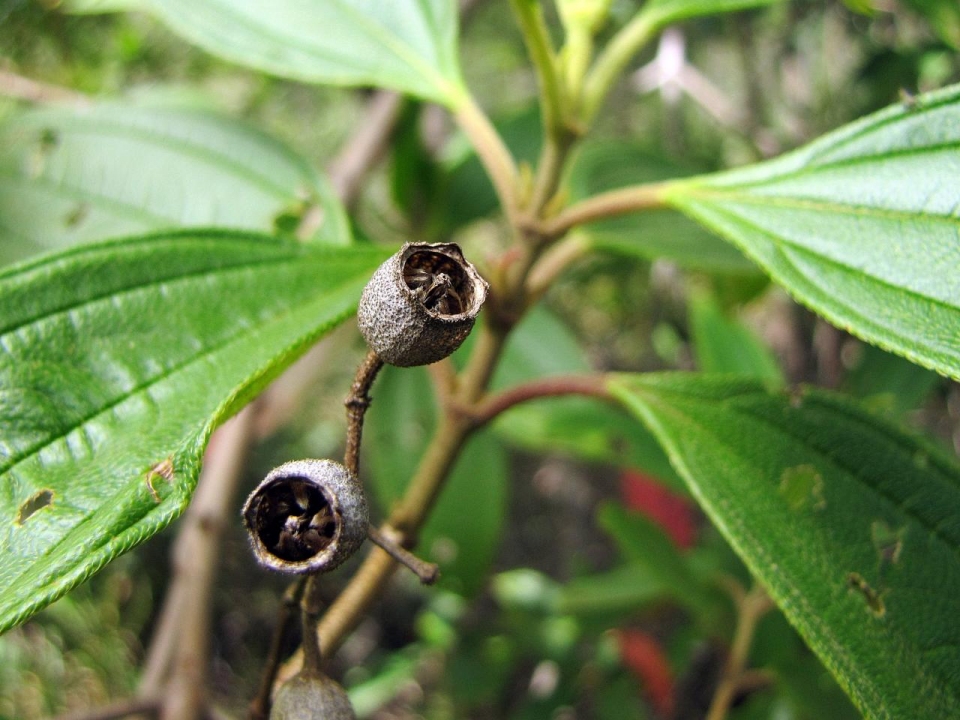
421,304
306,516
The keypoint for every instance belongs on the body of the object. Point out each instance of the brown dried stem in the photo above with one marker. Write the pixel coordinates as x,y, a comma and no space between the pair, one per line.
195,562
113,711
19,87
357,403
260,706
387,539
751,607
491,407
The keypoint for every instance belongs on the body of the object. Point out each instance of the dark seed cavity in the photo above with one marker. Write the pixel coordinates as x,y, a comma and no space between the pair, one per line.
438,281
295,520
33,504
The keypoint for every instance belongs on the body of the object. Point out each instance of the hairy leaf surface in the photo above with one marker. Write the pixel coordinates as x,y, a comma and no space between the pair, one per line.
852,526
863,226
406,45
116,363
76,175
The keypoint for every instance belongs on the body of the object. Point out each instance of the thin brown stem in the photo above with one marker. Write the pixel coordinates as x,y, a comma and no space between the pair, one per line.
310,615
124,708
259,708
492,406
606,205
196,556
388,540
750,609
366,146
452,432
357,403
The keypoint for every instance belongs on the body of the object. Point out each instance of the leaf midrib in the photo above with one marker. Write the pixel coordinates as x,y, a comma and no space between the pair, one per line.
711,193
780,242
115,292
16,459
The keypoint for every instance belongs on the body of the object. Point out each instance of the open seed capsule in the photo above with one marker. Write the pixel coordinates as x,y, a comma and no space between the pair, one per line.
306,516
421,304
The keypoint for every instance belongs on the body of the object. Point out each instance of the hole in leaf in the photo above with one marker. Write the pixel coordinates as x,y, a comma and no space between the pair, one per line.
36,502
802,488
887,542
874,602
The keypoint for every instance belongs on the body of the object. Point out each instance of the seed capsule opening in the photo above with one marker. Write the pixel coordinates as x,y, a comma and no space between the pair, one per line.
296,519
439,282
306,516
420,304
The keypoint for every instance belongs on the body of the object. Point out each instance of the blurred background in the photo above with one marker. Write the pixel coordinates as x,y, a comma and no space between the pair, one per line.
579,579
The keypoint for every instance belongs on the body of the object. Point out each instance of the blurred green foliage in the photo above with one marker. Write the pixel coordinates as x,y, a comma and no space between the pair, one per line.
524,643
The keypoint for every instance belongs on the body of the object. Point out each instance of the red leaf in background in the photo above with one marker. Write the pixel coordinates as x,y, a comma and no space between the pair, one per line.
672,511
644,656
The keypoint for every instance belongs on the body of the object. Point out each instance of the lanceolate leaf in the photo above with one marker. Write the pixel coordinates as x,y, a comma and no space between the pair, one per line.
862,226
111,170
116,363
406,45
605,165
853,526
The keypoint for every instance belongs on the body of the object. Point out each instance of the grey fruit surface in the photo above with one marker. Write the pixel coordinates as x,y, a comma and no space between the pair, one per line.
306,516
311,696
421,304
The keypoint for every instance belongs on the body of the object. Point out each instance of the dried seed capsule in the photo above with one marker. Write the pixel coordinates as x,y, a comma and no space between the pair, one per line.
420,304
306,516
311,696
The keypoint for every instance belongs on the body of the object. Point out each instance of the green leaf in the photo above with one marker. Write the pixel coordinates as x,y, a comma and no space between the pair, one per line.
625,589
667,12
464,528
607,165
71,176
540,346
122,357
888,384
723,345
943,16
643,542
862,226
852,526
406,45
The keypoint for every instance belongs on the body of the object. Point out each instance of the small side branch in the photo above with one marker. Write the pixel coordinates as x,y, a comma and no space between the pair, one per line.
751,607
389,542
488,409
357,403
606,205
260,706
